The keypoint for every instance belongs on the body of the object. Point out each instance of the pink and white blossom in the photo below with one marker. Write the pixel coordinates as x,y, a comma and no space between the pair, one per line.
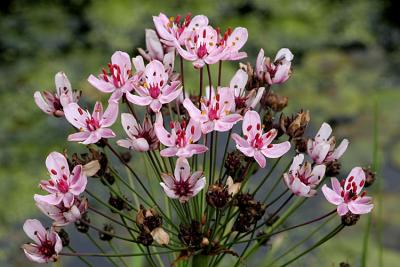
322,148
302,178
244,99
156,89
275,72
232,42
61,214
118,80
181,140
154,48
63,185
202,47
47,244
54,103
141,138
348,195
92,127
216,110
173,30
183,185
256,144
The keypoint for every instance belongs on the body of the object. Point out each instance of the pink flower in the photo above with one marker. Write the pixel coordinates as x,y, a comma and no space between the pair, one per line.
202,47
62,215
180,142
276,72
322,149
154,48
183,185
92,127
141,138
302,179
346,195
233,42
156,89
215,114
63,184
46,246
244,99
118,80
53,103
173,29
255,143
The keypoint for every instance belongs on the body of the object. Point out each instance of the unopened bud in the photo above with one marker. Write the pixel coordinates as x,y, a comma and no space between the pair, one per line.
82,224
91,168
64,237
350,219
145,238
333,168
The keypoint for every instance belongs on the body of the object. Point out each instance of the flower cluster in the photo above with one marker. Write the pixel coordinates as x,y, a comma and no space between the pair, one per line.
202,197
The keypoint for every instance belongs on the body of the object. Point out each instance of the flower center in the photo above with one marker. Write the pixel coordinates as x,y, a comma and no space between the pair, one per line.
115,75
154,91
47,249
182,188
92,124
63,185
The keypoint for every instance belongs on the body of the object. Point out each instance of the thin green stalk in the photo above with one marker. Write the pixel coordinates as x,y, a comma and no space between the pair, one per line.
266,176
319,243
114,249
80,257
100,248
316,230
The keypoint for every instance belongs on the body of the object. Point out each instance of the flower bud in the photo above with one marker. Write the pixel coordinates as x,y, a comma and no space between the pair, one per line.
205,242
344,264
160,236
126,156
301,144
369,177
350,219
109,229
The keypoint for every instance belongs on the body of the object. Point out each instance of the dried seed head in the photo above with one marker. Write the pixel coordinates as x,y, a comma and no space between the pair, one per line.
105,236
191,235
126,156
148,219
145,238
80,224
119,203
369,177
274,101
298,124
107,178
64,237
333,168
301,144
350,219
235,164
217,196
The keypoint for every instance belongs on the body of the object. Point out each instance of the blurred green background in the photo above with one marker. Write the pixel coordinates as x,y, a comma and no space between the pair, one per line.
347,57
